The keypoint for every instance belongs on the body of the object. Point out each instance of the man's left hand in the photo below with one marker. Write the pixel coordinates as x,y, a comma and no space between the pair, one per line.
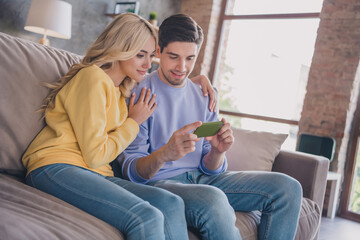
222,141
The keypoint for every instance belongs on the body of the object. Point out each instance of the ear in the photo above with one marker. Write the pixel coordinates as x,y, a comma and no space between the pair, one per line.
158,51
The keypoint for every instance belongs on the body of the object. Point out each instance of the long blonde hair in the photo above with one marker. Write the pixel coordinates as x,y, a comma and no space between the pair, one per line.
121,40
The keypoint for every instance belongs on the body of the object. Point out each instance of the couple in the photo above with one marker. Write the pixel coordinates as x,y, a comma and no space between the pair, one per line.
183,179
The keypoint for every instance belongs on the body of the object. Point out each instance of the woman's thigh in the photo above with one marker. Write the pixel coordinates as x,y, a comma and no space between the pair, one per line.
100,197
158,197
171,205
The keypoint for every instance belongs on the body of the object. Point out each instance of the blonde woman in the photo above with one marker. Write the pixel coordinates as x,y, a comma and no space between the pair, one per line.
88,125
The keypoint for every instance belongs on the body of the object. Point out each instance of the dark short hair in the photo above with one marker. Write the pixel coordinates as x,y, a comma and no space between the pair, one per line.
179,28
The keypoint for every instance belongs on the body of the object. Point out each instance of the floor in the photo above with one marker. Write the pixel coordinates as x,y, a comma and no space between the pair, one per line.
339,229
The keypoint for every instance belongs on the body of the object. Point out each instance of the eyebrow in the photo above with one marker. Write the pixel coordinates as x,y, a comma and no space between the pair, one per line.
174,54
144,51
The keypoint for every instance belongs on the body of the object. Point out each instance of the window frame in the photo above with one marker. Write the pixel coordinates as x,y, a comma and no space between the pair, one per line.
217,51
351,164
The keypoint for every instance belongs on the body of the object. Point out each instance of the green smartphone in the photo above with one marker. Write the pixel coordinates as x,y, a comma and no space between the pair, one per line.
208,129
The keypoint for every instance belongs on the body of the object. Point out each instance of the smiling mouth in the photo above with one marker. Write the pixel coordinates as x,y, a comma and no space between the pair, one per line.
142,72
178,75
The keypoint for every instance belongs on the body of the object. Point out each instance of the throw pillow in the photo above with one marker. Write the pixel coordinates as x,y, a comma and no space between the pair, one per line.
254,151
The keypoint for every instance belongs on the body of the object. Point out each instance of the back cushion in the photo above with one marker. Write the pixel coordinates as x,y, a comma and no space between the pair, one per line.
254,150
23,66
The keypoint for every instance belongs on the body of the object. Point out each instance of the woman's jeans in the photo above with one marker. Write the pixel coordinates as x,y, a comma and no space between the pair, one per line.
138,211
210,202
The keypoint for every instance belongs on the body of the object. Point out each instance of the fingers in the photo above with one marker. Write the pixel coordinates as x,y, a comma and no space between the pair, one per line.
212,102
132,99
205,91
147,96
225,127
144,107
152,101
225,133
142,95
189,127
152,108
184,143
213,99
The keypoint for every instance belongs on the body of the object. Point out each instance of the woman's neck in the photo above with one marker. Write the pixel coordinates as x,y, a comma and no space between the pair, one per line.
115,74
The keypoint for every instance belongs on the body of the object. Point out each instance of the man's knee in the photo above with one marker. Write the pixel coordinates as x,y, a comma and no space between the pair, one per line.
290,188
213,199
143,220
151,215
168,203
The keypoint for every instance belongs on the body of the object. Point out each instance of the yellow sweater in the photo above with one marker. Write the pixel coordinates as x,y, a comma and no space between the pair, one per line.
88,127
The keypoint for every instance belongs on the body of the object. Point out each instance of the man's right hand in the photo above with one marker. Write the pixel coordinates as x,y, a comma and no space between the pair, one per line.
181,143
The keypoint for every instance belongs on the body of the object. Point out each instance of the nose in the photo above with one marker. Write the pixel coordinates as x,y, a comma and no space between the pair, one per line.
147,63
181,66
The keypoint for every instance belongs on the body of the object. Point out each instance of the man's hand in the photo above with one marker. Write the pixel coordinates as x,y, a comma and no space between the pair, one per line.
181,143
222,141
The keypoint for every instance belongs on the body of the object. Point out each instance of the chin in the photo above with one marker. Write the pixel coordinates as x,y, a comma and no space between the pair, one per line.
138,79
178,82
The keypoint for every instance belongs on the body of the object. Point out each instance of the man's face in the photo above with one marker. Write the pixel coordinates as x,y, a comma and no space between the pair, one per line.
176,62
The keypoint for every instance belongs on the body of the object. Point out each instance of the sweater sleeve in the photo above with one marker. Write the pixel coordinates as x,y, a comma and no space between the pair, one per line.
87,103
137,149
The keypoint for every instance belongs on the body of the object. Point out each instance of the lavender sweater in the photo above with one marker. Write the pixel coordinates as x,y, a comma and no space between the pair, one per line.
176,107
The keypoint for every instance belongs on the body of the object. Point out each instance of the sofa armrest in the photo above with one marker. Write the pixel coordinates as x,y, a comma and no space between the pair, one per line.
310,170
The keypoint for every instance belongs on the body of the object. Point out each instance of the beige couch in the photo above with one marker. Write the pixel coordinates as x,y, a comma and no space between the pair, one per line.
26,213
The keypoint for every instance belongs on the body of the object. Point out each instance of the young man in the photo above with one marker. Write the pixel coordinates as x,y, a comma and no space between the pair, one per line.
166,154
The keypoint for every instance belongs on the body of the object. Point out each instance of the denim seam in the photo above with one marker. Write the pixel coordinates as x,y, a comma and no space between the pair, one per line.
95,199
255,192
190,180
166,225
193,213
271,206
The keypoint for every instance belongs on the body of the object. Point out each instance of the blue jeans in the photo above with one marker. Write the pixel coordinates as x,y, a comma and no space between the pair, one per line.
210,202
138,211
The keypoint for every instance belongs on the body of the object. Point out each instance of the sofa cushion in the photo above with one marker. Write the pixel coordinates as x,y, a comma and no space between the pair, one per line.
309,220
24,65
255,151
247,222
27,213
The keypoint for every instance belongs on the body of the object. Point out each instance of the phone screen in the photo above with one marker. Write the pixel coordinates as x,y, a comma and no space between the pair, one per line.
208,129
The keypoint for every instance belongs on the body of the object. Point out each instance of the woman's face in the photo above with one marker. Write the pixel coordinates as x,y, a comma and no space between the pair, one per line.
136,67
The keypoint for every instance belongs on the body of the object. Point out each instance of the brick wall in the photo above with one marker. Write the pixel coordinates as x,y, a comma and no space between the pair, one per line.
206,13
332,87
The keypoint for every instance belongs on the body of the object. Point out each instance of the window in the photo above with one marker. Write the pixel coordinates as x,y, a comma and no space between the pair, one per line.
354,203
263,62
350,204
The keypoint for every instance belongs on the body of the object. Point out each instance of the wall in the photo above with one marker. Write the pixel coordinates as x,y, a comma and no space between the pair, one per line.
333,84
88,19
208,20
332,87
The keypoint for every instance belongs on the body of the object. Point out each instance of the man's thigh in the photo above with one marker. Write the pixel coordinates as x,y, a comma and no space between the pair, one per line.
205,206
248,190
195,196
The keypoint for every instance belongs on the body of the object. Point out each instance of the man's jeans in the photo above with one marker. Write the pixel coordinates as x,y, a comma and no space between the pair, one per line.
122,204
210,202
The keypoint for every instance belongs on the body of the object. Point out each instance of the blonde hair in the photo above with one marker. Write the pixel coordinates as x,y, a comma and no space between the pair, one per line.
121,40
